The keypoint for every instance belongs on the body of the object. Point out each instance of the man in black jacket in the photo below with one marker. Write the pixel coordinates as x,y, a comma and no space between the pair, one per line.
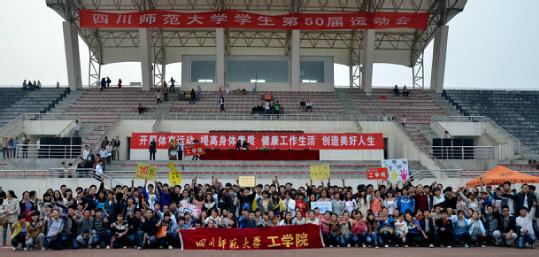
508,227
524,198
148,230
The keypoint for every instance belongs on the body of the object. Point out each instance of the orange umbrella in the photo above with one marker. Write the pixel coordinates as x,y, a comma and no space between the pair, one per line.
499,175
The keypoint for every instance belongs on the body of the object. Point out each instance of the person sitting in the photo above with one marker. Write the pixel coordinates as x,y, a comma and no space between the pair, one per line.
308,106
141,108
405,91
396,91
245,145
302,104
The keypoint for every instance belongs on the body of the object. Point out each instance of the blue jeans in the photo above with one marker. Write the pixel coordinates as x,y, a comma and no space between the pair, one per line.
4,153
345,239
102,238
4,232
373,239
526,238
66,239
152,239
358,238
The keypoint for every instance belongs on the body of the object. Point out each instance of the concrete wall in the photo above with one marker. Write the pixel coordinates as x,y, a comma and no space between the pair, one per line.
45,127
463,129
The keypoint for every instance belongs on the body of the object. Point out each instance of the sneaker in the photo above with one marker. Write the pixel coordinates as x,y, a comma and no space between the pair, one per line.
405,246
42,248
431,246
483,246
89,247
448,246
138,248
14,248
466,245
363,245
125,247
376,247
108,247
348,245
386,246
97,246
170,247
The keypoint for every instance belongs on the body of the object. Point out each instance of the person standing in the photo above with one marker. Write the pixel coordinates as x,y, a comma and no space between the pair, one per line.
103,84
76,126
193,96
158,97
3,147
153,149
116,148
222,103
199,91
172,84
108,81
119,83
180,150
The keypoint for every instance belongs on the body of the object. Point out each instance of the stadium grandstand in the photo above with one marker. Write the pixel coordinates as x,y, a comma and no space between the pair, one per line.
257,107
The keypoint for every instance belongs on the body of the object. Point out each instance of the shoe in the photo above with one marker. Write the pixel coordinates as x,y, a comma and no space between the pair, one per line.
138,248
466,245
170,247
431,246
483,246
405,246
89,247
125,247
43,249
348,245
108,247
14,248
97,246
448,246
386,246
363,245
376,247
25,249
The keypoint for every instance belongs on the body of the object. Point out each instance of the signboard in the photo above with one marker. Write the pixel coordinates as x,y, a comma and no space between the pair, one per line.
258,140
377,173
319,172
247,181
322,205
145,171
281,237
397,170
174,176
246,20
194,149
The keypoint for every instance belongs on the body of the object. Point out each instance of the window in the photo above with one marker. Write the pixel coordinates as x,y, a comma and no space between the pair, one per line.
203,71
312,71
248,71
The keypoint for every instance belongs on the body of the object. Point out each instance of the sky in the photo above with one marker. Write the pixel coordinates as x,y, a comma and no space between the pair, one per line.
492,44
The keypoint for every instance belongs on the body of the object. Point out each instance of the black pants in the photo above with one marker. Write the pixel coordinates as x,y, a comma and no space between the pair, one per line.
152,156
180,155
445,238
19,239
222,107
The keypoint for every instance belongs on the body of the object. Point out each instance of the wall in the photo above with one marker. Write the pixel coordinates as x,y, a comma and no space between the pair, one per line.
463,129
45,127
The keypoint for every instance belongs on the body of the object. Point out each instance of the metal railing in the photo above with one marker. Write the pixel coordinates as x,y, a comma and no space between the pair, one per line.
10,129
67,129
463,152
48,173
458,118
39,151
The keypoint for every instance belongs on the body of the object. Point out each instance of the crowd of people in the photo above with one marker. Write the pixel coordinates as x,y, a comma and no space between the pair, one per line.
9,147
152,215
31,85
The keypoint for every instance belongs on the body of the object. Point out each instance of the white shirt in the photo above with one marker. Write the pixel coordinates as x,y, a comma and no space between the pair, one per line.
526,223
291,206
99,170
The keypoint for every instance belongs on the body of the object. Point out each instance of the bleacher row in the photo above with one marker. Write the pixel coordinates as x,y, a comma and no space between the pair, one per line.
515,111
15,101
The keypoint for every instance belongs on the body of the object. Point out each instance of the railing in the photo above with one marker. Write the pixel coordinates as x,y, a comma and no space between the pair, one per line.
38,151
458,118
67,129
463,152
50,173
10,129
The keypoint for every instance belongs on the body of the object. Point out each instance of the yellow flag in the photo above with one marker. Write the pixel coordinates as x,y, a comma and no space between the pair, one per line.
320,172
145,171
174,176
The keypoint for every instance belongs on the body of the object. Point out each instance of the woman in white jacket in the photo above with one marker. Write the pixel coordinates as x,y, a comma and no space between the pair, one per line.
10,208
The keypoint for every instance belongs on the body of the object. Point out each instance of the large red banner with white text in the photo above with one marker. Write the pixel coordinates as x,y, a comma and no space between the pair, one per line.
259,140
283,237
239,19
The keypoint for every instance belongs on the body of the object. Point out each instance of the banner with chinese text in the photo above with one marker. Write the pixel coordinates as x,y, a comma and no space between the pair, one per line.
279,141
283,237
238,19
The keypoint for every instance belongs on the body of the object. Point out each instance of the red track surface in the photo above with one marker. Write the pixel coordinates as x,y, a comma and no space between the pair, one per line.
340,252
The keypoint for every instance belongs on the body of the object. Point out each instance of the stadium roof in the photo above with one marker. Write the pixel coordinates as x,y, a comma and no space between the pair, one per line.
395,46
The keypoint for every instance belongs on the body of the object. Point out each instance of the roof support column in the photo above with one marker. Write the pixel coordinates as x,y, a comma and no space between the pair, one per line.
295,61
438,59
367,59
71,41
220,58
146,55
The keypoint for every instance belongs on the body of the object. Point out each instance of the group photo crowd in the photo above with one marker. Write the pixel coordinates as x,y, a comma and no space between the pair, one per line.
153,215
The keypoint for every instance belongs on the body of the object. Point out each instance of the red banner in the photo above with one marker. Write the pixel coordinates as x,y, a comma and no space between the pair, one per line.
238,19
377,173
280,141
283,237
196,149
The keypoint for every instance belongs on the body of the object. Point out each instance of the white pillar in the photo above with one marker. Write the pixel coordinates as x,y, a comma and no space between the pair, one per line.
295,72
220,57
351,74
146,56
71,41
367,60
438,59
